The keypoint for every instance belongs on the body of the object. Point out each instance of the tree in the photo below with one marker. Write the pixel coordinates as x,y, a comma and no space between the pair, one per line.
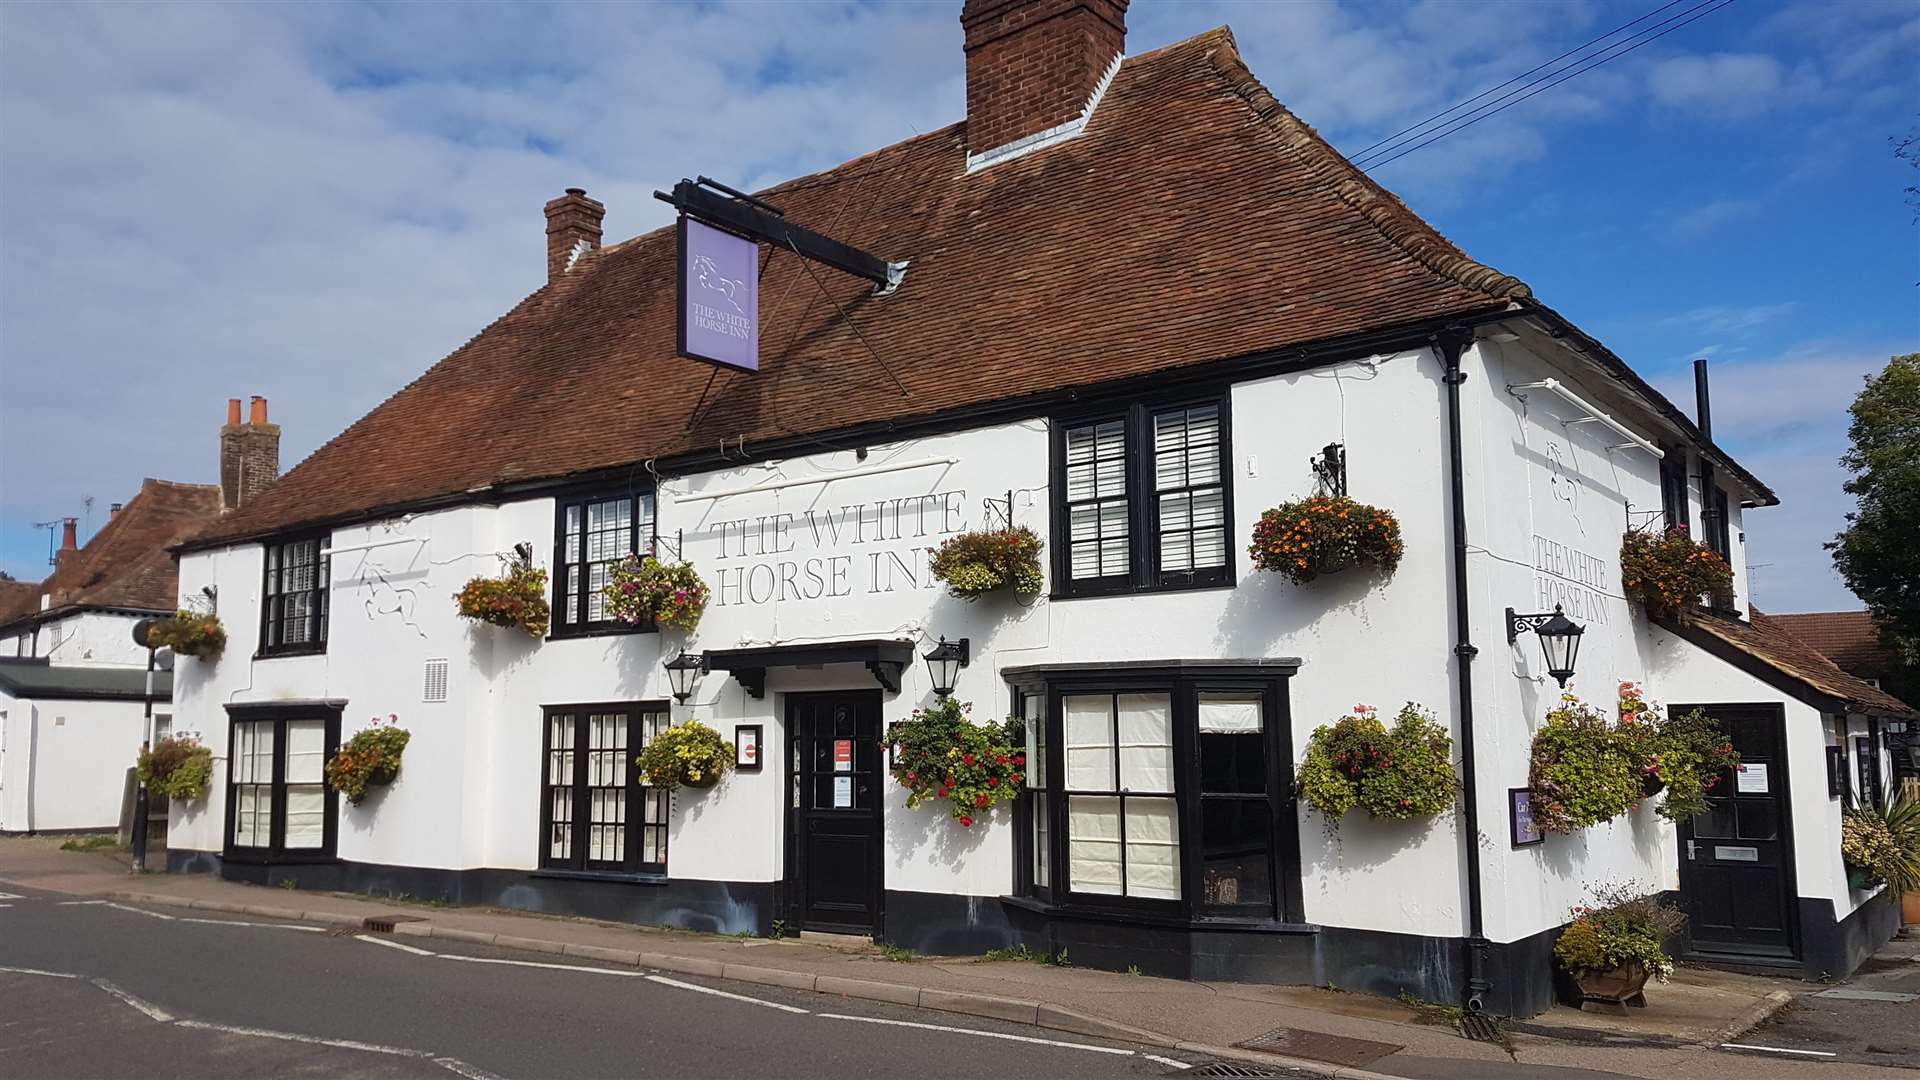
1879,552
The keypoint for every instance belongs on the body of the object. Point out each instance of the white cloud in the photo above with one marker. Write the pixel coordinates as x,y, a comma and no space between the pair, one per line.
1724,319
1722,82
1697,221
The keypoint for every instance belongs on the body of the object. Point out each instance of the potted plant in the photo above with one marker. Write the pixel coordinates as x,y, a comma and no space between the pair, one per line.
976,563
189,633
1669,573
685,755
1613,947
1882,844
1325,534
642,587
1396,774
1584,769
1685,755
176,769
371,757
939,753
517,598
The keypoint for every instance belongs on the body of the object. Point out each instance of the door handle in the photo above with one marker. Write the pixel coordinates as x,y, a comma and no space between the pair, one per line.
1690,851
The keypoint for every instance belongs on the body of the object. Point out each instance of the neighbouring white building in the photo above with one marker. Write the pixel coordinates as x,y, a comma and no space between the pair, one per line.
1142,300
73,682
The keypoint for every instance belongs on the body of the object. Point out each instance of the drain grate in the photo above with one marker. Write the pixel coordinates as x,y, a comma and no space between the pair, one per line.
384,924
1233,1068
1320,1046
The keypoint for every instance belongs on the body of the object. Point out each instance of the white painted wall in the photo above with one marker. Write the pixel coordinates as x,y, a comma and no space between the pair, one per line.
92,639
63,763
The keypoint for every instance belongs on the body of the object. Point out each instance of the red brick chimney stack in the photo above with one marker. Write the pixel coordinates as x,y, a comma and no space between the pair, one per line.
572,219
249,454
1033,65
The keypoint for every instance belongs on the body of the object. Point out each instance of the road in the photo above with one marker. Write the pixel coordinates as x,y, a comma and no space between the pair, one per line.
91,988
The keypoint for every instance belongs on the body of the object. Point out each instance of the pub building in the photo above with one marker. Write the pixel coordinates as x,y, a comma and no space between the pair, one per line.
1129,302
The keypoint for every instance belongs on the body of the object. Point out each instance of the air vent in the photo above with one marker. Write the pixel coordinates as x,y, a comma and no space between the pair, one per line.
435,686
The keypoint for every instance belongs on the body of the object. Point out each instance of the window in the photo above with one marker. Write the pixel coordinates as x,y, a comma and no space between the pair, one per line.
1159,790
293,618
1142,499
597,816
592,534
278,805
1673,489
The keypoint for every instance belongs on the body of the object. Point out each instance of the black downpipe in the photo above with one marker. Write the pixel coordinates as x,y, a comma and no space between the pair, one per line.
1452,342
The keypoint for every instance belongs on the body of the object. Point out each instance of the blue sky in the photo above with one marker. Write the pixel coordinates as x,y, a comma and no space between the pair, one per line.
315,202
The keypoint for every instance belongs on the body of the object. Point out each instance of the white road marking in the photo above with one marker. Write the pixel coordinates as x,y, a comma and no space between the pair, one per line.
6,905
80,903
1114,1050
312,1040
153,1011
138,911
1174,1062
471,1072
255,925
696,988
538,964
393,945
37,971
1776,1050
11,896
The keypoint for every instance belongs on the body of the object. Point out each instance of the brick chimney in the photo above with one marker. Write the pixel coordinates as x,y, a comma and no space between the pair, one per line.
1035,65
572,219
249,454
69,542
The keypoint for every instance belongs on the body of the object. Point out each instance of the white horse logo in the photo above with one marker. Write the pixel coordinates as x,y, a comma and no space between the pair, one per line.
707,273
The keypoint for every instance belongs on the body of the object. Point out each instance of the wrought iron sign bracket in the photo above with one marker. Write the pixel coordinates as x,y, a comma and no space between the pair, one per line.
750,217
1525,624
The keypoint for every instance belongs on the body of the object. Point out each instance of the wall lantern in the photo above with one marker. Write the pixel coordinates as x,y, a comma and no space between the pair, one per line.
1559,639
944,662
683,670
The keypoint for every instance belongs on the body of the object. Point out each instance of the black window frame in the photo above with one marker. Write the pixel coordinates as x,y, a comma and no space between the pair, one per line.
276,851
566,624
273,594
1184,686
638,797
1143,499
1675,503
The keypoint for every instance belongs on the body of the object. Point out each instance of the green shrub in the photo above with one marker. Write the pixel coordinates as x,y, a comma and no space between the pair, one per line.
1397,774
939,753
1624,927
976,563
176,769
1884,844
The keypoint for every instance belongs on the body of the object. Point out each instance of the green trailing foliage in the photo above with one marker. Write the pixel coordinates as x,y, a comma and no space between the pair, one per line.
1325,534
189,633
939,753
642,587
685,755
1586,769
974,564
1620,927
371,757
176,769
1669,573
517,598
1398,774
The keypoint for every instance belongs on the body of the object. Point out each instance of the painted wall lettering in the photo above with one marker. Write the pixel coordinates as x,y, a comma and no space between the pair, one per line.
900,533
1575,580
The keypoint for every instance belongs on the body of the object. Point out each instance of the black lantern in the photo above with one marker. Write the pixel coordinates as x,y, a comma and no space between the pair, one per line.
1559,639
944,662
682,670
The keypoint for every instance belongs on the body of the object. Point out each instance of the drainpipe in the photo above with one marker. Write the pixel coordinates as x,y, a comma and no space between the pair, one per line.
1452,342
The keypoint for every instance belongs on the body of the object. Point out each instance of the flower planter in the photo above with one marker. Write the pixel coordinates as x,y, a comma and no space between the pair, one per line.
1651,785
1615,990
706,781
1910,908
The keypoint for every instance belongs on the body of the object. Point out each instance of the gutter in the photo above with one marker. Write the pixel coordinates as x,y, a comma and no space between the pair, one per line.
1452,342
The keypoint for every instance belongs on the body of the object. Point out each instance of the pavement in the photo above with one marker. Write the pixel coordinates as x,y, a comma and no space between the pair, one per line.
1348,1035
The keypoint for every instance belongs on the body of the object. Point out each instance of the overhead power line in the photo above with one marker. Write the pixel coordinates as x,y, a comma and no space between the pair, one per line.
1398,147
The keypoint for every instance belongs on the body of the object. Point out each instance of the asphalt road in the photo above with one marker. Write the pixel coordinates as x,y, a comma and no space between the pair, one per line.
95,989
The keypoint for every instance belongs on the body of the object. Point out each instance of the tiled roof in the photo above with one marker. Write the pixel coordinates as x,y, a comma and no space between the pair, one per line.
1785,656
127,564
1195,220
17,598
1848,638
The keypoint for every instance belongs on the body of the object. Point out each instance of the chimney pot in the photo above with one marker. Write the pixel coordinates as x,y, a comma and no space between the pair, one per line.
572,219
249,453
114,510
233,412
1033,65
259,410
70,534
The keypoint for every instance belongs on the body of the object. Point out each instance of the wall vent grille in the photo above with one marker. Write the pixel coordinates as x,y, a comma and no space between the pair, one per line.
435,686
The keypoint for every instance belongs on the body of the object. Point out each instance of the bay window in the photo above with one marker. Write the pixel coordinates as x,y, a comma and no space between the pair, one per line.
1142,499
1167,791
279,808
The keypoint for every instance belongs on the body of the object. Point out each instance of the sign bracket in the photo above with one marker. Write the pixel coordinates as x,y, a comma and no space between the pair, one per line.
761,221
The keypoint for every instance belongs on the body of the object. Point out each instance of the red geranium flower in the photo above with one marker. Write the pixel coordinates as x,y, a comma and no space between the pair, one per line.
966,820
982,800
993,781
968,758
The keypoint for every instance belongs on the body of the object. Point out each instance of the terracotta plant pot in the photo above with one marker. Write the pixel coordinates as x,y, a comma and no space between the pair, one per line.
1613,990
1910,909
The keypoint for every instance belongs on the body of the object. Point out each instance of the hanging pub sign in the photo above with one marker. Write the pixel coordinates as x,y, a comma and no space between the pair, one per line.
719,296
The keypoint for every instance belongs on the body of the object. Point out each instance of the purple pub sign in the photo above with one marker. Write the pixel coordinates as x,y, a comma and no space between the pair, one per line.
719,296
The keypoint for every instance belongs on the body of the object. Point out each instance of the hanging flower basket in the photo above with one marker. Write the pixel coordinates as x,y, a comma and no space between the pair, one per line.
189,633
1397,774
1669,573
974,564
938,753
1684,756
1584,769
176,769
684,755
641,588
370,758
516,599
1308,538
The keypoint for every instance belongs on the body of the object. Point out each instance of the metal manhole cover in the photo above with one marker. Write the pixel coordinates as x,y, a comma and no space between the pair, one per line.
1319,1046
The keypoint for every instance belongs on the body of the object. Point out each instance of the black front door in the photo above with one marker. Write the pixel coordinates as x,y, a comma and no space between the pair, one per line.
1736,860
834,769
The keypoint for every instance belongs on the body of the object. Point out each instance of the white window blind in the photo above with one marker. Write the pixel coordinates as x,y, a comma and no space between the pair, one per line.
1097,500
